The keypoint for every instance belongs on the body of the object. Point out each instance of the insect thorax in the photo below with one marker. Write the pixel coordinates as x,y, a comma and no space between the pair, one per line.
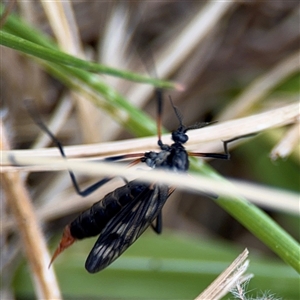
173,158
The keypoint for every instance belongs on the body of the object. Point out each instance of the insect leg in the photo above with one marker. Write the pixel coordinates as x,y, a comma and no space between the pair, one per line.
159,97
226,154
148,61
35,116
158,224
124,156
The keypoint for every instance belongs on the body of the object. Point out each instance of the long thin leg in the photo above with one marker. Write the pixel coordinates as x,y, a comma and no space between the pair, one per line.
124,156
159,97
35,116
158,224
226,154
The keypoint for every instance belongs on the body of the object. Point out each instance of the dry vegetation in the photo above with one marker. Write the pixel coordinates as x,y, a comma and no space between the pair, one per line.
230,57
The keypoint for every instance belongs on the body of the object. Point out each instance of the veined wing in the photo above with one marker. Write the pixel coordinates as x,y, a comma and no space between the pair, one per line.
125,228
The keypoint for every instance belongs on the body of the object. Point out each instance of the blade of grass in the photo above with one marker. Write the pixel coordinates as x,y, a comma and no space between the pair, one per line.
90,84
25,46
257,222
134,120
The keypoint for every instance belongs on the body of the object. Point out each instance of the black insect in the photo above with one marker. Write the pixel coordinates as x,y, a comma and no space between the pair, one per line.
124,214
120,218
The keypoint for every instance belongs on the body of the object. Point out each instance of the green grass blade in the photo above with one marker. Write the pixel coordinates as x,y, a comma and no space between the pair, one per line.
134,120
59,57
256,221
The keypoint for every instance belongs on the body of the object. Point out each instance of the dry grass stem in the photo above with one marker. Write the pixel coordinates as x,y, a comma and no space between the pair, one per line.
175,53
115,37
274,118
237,62
69,202
261,87
194,183
35,248
190,37
227,279
64,203
169,59
58,119
287,144
63,23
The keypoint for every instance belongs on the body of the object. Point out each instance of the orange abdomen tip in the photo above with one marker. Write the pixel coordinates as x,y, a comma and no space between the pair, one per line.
66,241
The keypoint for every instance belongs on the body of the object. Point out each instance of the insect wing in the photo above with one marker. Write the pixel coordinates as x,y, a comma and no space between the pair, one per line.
124,229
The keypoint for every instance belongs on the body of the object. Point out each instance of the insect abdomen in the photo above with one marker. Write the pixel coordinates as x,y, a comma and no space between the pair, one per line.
92,221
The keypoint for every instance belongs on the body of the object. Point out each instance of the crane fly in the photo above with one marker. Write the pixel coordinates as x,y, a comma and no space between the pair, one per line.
125,213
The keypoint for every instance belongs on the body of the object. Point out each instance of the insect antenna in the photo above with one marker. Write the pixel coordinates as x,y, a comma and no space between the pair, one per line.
199,125
177,113
180,119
